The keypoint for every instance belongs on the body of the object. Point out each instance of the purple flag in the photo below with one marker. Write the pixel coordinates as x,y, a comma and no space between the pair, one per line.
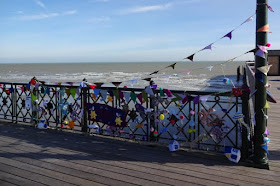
260,53
229,35
196,100
269,7
266,131
167,92
208,47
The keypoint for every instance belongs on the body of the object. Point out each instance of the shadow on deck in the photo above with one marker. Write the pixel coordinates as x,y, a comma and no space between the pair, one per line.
49,157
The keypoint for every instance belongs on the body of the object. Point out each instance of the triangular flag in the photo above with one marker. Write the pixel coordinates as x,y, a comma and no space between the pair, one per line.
190,57
167,92
70,83
264,69
37,85
126,96
62,92
147,79
248,20
266,131
177,97
133,96
47,90
67,91
145,96
253,50
103,94
207,47
265,148
117,84
259,76
265,28
266,105
82,84
22,88
116,94
149,91
33,98
229,35
161,93
155,72
78,92
73,92
209,68
187,72
140,97
269,7
121,95
92,86
204,98
96,92
196,100
110,92
260,53
172,66
263,48
98,84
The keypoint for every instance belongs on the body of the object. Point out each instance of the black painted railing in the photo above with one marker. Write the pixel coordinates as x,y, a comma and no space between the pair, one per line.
202,120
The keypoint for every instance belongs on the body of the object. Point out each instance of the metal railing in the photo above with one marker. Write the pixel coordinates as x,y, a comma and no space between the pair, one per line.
207,123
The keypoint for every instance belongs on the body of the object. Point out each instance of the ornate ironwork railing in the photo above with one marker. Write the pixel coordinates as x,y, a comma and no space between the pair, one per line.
202,120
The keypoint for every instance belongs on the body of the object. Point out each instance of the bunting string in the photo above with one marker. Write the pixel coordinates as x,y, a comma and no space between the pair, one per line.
228,35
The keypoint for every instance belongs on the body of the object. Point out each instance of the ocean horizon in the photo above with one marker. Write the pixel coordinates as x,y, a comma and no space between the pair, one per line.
185,75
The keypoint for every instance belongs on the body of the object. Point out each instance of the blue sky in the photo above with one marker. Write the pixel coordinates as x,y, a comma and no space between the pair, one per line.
128,30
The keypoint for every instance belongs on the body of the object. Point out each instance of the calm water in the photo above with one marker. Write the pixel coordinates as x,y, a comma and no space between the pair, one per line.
197,79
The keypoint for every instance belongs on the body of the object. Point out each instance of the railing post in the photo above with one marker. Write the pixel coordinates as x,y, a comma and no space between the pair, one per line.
14,102
246,113
152,119
260,155
84,103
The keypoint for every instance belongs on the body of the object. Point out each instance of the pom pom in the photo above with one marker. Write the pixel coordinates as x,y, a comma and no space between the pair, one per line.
182,117
172,122
192,112
161,117
226,80
156,133
268,44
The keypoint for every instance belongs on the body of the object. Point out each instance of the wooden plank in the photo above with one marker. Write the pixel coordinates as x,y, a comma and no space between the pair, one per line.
14,174
52,174
7,178
153,165
101,168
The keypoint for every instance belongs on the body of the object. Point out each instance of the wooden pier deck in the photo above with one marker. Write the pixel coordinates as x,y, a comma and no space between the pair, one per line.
29,156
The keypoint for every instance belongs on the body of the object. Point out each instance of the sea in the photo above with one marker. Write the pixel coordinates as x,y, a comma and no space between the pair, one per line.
186,76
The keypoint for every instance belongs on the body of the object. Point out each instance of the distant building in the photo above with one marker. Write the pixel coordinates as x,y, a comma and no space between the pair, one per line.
274,60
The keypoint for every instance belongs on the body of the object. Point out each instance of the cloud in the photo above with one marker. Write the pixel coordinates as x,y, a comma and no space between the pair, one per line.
143,9
39,3
38,16
99,19
46,15
71,12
